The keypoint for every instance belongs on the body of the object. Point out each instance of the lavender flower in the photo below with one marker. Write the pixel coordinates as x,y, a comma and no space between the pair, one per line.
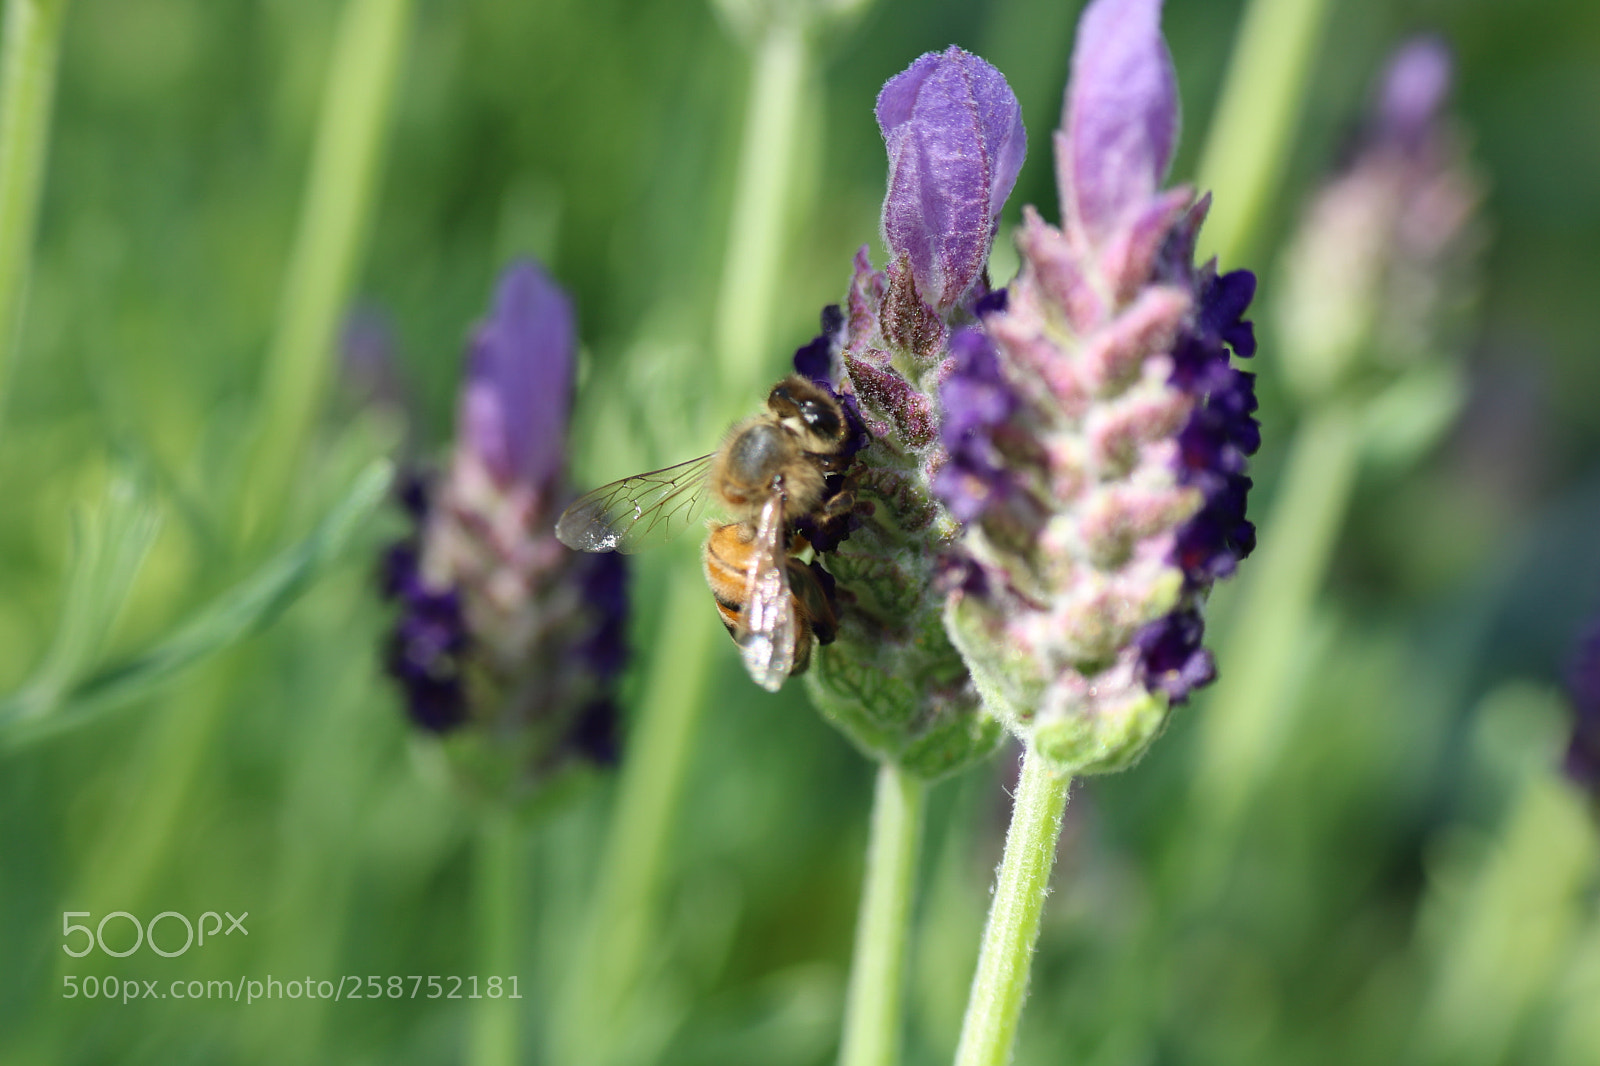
1097,432
1380,273
1583,686
501,627
892,680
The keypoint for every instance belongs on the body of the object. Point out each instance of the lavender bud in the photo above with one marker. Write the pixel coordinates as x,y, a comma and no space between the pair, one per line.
502,629
1583,687
892,680
1097,433
955,140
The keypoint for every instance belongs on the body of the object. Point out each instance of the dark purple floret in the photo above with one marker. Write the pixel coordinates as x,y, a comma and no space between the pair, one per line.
1174,660
976,401
1583,686
596,734
427,643
992,302
412,492
605,585
1214,447
814,359
1222,432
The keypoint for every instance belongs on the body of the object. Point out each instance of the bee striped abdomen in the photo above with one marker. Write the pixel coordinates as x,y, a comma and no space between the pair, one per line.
727,557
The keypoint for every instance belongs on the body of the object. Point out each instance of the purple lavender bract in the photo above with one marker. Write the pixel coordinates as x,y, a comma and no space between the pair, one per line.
1120,120
956,143
501,627
1097,433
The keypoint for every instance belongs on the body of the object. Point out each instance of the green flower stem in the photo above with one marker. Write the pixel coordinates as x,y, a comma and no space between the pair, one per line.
31,48
1251,130
605,975
872,1015
761,207
1247,714
339,199
499,888
1001,982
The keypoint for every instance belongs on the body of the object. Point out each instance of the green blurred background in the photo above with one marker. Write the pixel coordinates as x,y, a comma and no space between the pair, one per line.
1411,882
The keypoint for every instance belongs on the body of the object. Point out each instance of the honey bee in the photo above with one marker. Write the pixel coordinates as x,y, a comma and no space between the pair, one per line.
770,471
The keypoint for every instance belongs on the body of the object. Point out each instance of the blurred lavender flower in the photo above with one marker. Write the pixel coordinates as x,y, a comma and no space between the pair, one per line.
1583,686
892,680
1097,433
1379,276
368,364
501,627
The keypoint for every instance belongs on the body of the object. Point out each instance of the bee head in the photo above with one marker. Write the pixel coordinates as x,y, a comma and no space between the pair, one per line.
816,412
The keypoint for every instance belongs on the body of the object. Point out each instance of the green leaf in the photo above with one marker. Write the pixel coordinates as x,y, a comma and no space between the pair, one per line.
235,614
110,542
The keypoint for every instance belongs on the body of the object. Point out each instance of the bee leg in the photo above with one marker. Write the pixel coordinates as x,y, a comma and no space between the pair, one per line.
840,503
802,648
812,588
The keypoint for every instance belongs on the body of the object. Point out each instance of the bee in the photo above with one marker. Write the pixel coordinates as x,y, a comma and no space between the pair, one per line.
770,471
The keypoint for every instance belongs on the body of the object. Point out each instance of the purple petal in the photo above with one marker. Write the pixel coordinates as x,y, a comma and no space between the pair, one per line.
954,134
519,379
1414,88
1120,123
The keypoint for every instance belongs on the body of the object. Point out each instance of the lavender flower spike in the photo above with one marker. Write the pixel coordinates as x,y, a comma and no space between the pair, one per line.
1385,262
955,139
502,629
892,680
1097,433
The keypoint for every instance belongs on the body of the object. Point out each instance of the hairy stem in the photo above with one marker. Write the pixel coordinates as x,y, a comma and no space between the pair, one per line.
1001,982
28,59
872,1015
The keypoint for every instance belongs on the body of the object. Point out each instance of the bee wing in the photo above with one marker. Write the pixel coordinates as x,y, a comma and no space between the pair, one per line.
766,631
637,511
